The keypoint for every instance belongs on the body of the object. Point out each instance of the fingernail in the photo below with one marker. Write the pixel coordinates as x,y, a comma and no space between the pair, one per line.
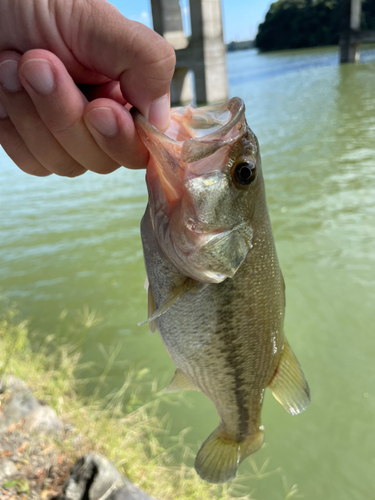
39,74
158,114
104,120
3,112
9,79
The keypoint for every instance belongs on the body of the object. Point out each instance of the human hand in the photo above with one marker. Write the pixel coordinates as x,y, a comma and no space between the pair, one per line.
48,124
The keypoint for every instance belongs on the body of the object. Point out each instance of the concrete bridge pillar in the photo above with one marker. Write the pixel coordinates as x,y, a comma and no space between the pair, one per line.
182,87
350,30
203,53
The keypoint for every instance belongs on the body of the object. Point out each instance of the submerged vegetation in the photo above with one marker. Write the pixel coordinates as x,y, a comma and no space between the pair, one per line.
292,24
137,447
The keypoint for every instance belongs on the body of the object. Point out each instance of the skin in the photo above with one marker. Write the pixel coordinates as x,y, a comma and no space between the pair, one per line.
96,65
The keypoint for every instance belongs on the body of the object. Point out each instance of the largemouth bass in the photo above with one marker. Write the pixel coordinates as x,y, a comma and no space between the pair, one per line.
216,291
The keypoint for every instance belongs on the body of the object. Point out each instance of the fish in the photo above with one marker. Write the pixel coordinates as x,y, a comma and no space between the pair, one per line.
216,292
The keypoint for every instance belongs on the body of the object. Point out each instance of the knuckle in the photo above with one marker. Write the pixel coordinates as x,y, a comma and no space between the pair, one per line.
25,161
37,170
161,69
76,173
68,168
158,54
60,125
170,57
106,168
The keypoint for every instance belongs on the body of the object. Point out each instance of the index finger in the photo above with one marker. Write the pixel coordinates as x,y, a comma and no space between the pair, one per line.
106,42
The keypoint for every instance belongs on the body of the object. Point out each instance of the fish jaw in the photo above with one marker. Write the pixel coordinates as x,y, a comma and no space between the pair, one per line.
196,212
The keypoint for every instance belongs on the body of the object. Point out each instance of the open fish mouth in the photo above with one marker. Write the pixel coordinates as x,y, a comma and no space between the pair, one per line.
194,134
197,125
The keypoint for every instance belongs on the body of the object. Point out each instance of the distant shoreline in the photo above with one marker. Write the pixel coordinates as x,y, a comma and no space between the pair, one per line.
250,44
244,45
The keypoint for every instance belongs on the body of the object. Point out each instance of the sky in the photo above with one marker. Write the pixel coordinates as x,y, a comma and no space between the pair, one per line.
240,17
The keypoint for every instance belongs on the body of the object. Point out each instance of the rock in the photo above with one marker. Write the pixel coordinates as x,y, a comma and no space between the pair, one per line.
91,478
18,406
7,470
37,418
11,383
94,477
129,492
42,420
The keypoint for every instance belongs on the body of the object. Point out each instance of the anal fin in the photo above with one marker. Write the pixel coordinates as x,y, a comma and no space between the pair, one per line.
288,384
180,382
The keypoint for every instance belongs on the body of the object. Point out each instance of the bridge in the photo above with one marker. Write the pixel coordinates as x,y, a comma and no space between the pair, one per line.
201,57
351,35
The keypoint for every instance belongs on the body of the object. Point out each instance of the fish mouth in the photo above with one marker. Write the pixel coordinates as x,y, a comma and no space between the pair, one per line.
194,134
196,131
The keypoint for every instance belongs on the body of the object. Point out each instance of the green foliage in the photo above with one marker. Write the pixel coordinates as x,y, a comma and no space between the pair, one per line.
292,24
21,484
368,15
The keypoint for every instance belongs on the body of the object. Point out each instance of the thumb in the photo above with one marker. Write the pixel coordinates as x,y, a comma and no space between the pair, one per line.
106,42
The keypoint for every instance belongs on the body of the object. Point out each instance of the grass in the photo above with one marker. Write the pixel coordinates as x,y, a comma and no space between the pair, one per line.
129,434
120,426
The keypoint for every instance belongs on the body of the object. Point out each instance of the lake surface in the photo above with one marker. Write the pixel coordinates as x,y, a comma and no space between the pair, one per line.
71,244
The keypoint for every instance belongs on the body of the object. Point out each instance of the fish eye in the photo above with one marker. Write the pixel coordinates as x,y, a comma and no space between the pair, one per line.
244,173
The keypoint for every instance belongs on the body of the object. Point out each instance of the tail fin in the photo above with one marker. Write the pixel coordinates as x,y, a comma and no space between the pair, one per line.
220,455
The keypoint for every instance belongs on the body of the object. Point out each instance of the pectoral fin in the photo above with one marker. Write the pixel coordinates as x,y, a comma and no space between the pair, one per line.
173,297
288,384
180,382
189,285
151,309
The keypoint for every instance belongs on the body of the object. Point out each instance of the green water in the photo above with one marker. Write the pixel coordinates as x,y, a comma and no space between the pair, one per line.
66,244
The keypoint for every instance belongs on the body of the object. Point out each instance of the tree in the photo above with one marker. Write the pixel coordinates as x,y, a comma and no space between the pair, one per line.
292,24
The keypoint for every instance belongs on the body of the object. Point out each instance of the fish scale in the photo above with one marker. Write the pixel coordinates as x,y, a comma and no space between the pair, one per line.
215,281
